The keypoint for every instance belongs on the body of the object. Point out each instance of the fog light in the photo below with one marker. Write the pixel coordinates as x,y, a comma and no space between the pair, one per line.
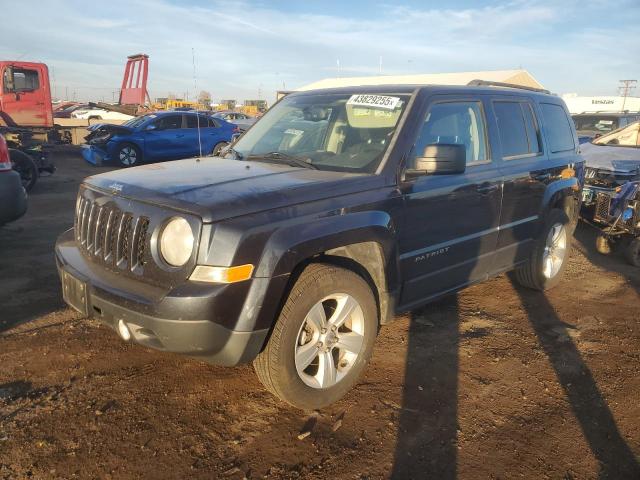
123,330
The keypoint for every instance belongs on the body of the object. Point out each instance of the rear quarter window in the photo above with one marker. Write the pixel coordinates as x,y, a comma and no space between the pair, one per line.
557,128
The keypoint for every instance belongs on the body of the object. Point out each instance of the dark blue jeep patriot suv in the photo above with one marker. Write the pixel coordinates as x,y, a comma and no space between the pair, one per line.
336,210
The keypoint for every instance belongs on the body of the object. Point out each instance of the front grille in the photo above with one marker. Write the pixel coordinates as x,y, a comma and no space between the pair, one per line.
603,207
116,238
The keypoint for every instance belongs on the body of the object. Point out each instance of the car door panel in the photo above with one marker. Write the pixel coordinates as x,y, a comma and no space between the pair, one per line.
450,225
525,174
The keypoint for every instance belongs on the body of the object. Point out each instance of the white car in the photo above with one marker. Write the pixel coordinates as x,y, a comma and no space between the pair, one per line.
99,114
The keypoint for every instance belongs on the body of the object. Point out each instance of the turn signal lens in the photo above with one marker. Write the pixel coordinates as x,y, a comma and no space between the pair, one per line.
205,273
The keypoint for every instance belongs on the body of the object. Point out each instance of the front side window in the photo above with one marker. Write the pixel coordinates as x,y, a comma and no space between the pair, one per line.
557,127
169,122
456,123
513,130
339,132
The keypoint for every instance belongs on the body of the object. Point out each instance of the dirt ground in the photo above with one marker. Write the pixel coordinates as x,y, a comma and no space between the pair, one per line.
496,382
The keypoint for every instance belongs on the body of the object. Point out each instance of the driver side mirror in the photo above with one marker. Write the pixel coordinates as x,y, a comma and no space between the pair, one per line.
439,159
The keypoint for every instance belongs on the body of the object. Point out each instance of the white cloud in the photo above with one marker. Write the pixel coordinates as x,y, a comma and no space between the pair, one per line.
243,48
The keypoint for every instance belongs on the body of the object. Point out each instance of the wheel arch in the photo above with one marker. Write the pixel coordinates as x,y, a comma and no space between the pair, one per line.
363,242
563,195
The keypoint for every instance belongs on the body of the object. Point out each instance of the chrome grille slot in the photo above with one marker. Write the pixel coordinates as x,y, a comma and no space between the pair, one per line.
124,240
110,231
139,250
98,240
89,235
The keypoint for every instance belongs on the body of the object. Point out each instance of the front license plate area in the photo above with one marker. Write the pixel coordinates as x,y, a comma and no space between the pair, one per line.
75,293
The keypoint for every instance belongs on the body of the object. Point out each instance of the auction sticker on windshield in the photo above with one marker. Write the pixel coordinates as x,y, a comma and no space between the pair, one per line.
374,101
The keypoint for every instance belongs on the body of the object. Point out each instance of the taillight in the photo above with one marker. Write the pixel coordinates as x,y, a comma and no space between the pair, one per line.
5,163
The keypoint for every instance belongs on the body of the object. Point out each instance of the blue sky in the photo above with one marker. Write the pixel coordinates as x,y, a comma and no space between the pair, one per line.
245,49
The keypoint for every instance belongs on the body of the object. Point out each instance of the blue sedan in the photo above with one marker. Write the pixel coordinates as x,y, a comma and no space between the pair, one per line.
156,137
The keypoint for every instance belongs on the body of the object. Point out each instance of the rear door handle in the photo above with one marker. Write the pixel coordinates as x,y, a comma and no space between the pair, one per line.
487,188
179,135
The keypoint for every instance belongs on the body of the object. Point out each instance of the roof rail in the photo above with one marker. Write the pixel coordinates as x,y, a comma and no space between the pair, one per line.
489,83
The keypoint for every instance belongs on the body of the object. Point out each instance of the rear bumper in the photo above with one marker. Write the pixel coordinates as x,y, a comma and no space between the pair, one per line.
157,319
13,198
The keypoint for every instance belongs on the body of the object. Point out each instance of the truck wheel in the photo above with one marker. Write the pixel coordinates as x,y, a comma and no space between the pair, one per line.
632,252
543,270
218,148
25,166
603,245
129,155
322,340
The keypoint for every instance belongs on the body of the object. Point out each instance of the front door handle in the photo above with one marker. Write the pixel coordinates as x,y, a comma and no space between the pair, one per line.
487,188
541,177
180,135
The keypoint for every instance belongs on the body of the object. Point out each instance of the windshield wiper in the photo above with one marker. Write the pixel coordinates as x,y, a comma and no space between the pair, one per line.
284,158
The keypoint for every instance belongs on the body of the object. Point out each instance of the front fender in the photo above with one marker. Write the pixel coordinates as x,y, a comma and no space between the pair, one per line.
290,245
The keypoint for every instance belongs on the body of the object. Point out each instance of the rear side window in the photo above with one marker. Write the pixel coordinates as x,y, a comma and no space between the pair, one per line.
192,121
457,123
518,129
557,127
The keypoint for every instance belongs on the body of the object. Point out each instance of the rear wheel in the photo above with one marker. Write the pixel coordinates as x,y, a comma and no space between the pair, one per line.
632,252
548,259
218,148
322,340
25,166
129,155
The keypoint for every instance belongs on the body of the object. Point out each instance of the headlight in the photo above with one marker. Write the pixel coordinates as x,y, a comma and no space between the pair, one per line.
176,242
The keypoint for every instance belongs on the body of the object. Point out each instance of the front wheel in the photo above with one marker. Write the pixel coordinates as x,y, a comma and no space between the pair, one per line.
548,260
322,340
25,166
129,155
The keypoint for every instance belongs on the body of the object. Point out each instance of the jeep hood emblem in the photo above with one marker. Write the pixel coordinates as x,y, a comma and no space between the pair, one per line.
116,187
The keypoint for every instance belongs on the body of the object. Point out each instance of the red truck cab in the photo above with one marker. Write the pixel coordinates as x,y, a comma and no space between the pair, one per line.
25,95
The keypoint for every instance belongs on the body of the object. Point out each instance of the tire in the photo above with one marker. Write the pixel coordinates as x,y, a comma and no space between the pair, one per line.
603,245
321,292
632,252
129,155
537,273
218,148
25,166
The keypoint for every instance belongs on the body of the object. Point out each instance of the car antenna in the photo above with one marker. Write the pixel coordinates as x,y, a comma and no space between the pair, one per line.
195,87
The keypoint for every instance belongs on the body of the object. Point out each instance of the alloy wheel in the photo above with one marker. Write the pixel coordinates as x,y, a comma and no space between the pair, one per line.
329,340
555,250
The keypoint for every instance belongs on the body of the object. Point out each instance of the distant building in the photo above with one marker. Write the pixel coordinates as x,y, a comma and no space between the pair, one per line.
517,77
601,104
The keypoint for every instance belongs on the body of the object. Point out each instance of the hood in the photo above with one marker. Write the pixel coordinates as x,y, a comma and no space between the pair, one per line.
217,188
101,132
616,159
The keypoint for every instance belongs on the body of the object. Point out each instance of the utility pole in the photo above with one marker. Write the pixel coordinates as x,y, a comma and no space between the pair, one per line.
625,88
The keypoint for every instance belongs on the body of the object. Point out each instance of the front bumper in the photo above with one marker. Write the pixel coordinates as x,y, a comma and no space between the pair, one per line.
95,155
157,318
13,198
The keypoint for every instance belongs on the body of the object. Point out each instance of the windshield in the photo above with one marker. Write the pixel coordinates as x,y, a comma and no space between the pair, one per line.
137,121
596,122
341,132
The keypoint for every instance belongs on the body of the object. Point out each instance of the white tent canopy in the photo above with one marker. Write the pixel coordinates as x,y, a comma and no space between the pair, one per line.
517,77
